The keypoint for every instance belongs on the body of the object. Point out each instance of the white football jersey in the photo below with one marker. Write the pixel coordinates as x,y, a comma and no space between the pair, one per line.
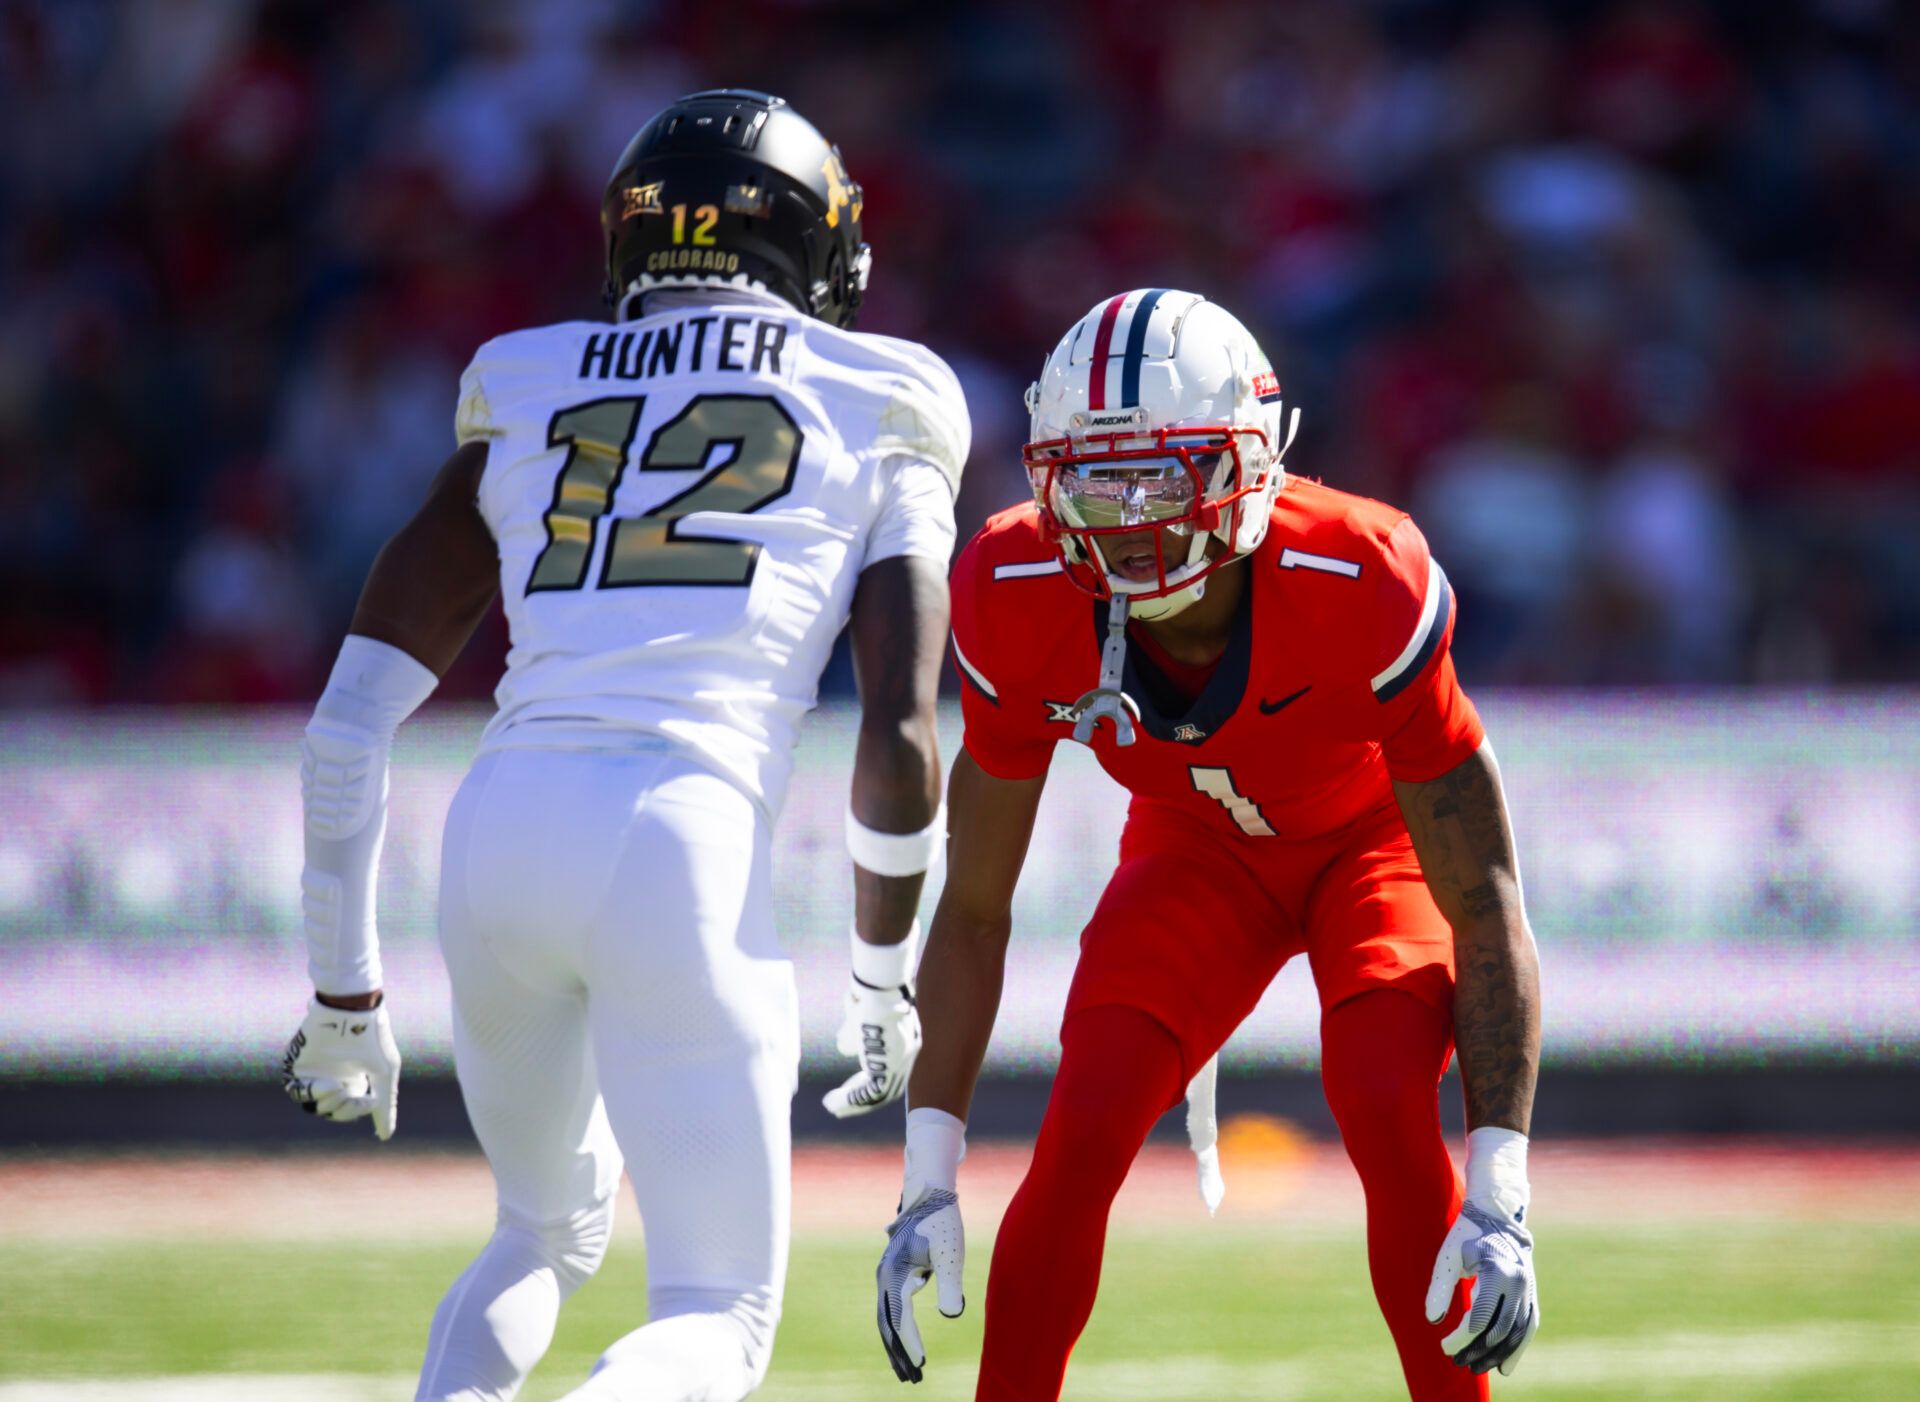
683,504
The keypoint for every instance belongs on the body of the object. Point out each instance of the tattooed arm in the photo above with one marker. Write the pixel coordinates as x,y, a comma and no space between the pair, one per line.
1465,844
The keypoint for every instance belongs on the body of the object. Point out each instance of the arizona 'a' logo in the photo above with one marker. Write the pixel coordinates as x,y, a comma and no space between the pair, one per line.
1188,734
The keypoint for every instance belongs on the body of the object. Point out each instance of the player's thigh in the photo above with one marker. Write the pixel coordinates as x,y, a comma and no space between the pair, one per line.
1185,931
696,1032
522,1048
1371,921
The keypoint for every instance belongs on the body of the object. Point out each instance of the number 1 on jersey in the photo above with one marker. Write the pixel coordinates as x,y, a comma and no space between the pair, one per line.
597,436
649,548
1217,784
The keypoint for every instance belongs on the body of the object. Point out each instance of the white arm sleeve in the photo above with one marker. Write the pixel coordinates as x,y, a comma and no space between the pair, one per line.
916,513
343,794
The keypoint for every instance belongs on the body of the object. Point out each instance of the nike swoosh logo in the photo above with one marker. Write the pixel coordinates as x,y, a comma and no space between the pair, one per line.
1273,708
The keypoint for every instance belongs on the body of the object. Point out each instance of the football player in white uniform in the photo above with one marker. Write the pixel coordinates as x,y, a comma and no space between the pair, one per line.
681,509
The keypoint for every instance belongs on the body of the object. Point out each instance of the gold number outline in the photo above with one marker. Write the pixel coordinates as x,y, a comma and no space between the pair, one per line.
572,467
617,570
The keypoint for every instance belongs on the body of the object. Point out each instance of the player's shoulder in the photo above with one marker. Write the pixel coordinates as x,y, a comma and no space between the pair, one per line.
1360,568
1350,531
532,349
870,353
1011,598
1009,547
905,399
516,366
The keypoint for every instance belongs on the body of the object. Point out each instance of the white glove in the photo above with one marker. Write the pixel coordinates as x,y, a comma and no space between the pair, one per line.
343,1064
1489,1245
926,1239
882,1029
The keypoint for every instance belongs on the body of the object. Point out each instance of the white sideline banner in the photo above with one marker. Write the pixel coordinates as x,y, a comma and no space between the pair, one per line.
1712,879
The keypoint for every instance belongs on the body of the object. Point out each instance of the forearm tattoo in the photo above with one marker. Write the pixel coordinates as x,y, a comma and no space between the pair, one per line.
1460,832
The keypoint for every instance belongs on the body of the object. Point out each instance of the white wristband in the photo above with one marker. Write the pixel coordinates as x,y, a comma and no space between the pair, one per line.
884,965
896,854
936,1143
1497,1170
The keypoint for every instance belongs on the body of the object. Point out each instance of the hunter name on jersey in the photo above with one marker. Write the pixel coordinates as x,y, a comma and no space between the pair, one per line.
745,345
680,535
1336,677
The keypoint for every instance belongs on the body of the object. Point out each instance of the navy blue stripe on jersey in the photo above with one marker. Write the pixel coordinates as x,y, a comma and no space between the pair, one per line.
1436,630
1137,346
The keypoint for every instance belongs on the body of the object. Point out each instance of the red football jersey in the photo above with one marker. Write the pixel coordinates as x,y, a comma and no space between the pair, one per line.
1336,677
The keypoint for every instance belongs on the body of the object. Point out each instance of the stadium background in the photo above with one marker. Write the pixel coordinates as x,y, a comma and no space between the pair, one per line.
1618,298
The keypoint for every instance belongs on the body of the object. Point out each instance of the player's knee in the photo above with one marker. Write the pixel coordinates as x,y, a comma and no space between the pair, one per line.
1085,1150
572,1247
1120,1072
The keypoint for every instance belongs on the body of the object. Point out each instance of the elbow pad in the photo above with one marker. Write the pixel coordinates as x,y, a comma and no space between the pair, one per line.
343,794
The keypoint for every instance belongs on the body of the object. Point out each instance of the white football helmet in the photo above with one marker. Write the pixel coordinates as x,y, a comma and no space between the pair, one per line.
1157,427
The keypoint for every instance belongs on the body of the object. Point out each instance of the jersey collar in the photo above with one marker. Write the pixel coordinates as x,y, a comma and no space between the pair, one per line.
1164,713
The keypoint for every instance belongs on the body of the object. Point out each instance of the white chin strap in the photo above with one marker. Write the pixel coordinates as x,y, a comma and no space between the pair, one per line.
1167,605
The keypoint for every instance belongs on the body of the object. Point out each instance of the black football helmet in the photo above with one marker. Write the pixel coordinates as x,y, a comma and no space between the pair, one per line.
732,182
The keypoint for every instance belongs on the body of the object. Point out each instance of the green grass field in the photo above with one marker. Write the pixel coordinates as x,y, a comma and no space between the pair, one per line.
1726,1311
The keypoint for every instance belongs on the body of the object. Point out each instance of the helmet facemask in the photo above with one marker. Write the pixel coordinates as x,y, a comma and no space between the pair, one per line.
1134,513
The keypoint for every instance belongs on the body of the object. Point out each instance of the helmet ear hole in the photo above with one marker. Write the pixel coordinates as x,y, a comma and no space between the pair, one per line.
836,277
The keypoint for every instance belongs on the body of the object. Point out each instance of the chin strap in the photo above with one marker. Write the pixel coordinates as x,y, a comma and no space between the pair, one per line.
1107,701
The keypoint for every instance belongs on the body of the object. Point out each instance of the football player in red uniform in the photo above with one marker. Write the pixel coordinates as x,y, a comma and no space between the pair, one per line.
1262,662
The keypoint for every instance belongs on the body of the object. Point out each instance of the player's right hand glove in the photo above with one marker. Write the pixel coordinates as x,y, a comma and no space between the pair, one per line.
925,1240
343,1063
1488,1245
882,1029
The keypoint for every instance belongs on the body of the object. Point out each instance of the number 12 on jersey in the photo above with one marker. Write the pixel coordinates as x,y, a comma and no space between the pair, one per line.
650,548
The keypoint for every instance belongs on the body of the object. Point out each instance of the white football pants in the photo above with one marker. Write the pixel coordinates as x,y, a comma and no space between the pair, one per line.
618,993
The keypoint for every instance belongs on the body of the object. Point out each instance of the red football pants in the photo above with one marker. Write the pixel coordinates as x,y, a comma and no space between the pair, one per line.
1189,932
1382,1056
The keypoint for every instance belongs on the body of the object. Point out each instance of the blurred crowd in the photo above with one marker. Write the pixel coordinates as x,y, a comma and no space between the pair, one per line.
1620,298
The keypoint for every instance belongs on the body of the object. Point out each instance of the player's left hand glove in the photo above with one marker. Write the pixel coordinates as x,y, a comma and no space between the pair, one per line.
1488,1245
343,1064
925,1241
882,1029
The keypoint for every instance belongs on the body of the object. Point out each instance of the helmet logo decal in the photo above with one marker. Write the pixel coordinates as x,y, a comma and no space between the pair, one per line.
1266,387
839,189
641,199
1109,418
751,200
